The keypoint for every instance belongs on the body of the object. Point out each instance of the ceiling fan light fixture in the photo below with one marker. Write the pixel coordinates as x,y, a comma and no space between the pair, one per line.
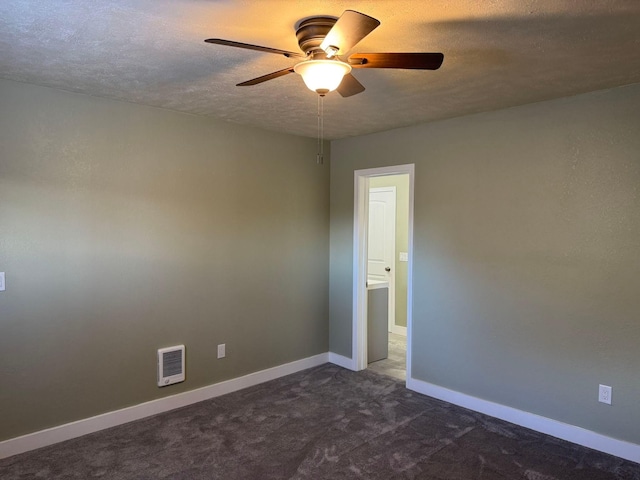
322,76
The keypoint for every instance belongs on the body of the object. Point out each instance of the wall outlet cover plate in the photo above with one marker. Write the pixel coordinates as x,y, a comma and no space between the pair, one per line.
604,394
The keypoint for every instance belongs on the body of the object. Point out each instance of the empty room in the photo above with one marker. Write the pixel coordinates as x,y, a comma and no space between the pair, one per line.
320,240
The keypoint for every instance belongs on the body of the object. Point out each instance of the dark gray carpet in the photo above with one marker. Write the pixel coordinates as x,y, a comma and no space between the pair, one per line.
323,423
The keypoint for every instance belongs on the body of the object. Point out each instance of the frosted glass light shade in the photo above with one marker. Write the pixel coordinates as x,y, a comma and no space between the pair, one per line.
322,76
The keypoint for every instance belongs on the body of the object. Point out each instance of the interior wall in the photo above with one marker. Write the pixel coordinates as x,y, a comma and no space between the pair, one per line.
125,228
401,182
526,254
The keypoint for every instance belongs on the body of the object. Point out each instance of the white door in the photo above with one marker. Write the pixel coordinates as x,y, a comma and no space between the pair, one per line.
382,241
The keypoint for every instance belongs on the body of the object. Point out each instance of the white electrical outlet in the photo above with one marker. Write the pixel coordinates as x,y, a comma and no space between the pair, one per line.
604,394
1,281
404,256
221,350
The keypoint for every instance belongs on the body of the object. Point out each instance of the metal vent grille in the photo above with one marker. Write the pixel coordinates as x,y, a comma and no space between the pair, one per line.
170,365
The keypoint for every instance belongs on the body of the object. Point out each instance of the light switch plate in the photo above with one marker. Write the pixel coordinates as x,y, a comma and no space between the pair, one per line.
222,350
404,256
1,281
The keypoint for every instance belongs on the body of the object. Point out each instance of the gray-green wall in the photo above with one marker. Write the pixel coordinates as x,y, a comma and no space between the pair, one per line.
527,254
401,182
125,228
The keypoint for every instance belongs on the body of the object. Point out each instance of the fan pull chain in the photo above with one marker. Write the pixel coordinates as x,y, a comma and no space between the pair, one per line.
320,156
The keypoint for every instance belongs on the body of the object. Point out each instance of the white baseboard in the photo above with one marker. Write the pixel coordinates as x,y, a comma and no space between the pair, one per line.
341,361
399,330
571,433
71,430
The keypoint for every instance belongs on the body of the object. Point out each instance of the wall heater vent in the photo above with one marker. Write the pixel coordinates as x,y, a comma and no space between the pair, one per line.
170,365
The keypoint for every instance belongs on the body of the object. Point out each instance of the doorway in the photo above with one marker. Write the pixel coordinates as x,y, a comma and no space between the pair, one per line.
368,183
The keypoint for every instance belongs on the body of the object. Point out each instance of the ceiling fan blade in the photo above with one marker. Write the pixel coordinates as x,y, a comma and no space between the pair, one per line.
350,86
248,46
264,78
418,61
350,28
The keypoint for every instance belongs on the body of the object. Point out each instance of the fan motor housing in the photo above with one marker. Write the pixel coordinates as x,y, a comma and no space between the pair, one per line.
311,31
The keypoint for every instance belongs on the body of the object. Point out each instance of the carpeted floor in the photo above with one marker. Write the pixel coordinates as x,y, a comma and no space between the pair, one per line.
323,423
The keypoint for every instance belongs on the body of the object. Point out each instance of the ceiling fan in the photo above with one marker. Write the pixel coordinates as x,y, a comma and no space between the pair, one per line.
324,42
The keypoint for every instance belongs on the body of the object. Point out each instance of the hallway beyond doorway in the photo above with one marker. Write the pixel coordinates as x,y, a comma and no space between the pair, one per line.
395,364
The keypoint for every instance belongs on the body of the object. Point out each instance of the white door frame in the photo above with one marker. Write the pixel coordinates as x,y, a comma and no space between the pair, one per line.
360,258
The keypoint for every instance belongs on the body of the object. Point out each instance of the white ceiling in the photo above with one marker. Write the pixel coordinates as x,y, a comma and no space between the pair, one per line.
498,53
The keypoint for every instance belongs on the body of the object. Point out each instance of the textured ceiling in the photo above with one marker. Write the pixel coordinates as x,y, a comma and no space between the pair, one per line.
498,53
